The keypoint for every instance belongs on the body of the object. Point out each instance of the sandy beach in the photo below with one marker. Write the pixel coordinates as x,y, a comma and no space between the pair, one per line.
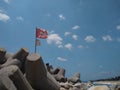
105,85
108,82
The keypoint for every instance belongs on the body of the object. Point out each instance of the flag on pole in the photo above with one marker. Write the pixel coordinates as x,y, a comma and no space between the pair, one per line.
37,42
41,33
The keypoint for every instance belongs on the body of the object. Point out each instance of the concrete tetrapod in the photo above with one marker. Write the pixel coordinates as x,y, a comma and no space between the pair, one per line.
2,55
10,62
37,74
16,59
17,78
6,83
75,78
60,76
21,54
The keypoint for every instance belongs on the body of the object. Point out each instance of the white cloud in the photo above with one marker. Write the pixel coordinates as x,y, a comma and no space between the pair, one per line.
61,59
54,39
60,46
4,17
76,27
118,27
100,66
75,37
61,17
68,46
7,1
107,38
67,33
90,38
80,46
20,18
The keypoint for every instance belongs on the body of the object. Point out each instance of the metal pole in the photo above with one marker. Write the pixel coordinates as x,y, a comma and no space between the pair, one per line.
35,39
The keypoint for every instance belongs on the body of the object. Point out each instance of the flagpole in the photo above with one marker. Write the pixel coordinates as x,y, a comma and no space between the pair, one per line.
35,45
35,40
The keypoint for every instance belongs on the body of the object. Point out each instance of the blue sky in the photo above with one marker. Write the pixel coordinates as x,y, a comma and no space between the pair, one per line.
84,35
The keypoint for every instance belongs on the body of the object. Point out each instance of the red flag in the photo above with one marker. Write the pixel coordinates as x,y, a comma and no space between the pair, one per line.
41,33
37,42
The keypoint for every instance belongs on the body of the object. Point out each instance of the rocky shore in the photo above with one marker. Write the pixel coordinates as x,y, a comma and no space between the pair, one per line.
25,71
